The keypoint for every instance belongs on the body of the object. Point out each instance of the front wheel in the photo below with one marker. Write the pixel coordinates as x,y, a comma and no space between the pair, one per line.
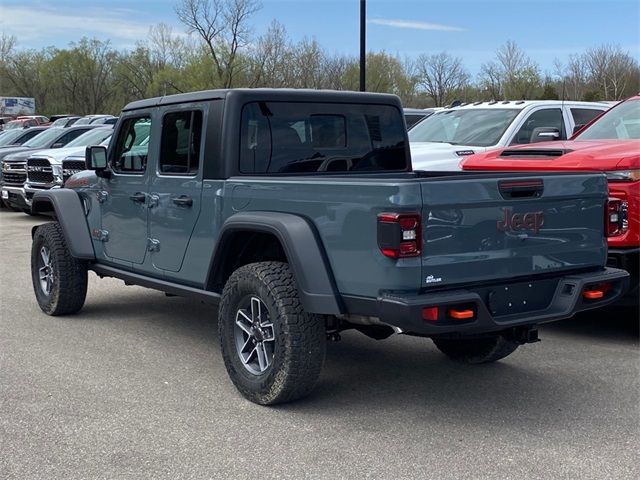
59,280
273,350
476,350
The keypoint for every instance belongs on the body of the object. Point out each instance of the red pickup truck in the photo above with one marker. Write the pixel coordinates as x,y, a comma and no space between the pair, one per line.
610,144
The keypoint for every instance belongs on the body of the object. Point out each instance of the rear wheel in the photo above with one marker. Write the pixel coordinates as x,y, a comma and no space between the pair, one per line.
59,280
476,350
273,350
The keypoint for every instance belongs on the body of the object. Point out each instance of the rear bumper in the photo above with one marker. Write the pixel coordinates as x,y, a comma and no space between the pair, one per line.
404,311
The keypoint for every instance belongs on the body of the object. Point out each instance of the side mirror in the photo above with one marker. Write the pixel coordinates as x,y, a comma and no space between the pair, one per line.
544,134
95,158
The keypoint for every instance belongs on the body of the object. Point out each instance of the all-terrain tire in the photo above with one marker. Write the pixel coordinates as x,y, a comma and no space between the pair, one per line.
299,338
66,289
476,350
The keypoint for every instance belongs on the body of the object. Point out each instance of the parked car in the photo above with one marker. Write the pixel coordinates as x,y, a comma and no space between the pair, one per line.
611,144
40,119
441,141
298,213
14,162
91,119
21,123
412,116
45,168
65,121
3,121
16,137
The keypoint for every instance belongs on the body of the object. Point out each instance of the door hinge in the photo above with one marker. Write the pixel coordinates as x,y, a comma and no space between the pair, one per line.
153,244
102,196
100,235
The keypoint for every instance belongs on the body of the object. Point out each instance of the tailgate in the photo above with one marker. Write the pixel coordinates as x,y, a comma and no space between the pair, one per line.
481,229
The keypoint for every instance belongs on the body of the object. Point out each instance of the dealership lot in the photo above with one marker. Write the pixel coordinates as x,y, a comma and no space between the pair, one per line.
134,387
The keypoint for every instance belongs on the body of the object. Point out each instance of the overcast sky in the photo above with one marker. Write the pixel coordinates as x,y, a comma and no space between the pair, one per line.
545,29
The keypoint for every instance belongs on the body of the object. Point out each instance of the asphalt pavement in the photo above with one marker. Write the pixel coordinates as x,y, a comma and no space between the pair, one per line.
134,387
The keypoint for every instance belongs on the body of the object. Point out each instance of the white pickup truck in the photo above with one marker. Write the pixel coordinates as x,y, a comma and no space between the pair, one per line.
441,141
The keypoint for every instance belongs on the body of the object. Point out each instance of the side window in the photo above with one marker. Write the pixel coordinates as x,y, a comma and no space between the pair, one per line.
288,137
30,135
132,146
582,116
180,144
548,117
67,137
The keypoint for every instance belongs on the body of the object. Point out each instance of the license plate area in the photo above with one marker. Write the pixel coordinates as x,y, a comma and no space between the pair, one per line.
520,297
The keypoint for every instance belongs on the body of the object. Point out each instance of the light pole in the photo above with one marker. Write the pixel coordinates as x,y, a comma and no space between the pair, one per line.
363,48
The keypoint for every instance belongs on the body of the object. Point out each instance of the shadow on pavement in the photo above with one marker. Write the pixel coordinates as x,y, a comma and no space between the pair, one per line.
613,323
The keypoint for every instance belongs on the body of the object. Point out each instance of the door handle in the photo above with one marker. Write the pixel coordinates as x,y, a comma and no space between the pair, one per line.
138,197
183,201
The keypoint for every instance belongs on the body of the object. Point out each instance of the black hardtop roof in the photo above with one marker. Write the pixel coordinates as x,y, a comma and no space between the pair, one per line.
268,94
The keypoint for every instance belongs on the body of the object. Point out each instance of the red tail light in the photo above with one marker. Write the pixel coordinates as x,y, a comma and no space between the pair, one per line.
399,234
616,217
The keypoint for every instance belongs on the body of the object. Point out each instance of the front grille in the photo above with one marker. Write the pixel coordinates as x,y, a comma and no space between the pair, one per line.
71,167
14,173
39,170
38,162
14,178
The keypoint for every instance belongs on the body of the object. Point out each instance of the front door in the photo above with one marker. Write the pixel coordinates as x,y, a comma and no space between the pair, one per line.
176,187
125,199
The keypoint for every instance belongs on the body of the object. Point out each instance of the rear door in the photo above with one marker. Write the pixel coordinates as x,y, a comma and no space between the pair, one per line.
479,229
176,186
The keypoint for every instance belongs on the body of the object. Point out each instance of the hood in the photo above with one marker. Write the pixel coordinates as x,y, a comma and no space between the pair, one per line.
599,155
9,150
56,155
439,156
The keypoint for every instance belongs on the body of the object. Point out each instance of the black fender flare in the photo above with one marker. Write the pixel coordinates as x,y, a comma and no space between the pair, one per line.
69,211
303,249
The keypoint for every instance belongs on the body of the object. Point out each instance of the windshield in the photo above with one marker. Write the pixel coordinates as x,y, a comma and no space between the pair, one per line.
92,137
14,124
478,128
620,123
44,138
84,121
7,138
61,122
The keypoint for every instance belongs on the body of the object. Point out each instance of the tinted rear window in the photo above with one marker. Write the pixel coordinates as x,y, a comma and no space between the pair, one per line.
281,137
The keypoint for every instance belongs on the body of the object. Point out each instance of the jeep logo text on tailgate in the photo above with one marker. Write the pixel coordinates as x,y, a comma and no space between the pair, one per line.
521,221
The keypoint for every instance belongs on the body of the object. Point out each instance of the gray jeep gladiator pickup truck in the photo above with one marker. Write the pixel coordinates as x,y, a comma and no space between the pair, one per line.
298,213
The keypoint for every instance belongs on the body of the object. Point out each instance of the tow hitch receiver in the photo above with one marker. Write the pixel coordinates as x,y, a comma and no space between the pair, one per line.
524,335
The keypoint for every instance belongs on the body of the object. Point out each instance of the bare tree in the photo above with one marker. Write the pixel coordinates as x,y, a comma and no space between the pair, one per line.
167,48
521,74
441,75
491,80
269,58
223,27
610,69
7,45
576,77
